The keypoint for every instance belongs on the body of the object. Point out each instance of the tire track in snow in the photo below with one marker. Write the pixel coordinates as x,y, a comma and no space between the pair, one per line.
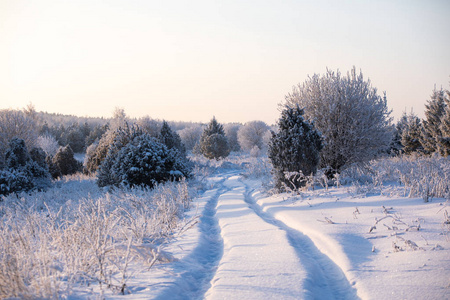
325,280
202,263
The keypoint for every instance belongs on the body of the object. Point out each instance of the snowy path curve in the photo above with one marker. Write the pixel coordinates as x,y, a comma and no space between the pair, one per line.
264,259
245,253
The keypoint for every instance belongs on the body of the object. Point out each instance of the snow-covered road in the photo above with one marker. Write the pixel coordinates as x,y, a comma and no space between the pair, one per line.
248,245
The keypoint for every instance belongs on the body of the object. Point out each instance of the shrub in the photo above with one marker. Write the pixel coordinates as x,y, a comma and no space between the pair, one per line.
294,150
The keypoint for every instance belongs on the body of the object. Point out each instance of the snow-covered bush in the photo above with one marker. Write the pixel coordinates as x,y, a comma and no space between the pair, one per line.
252,134
420,176
213,142
353,119
294,150
21,172
142,162
75,235
65,163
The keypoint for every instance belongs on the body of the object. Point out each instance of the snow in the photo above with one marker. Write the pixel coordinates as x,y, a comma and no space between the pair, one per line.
316,245
242,243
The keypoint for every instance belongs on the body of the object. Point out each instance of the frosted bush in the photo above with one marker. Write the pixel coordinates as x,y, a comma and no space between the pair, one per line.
76,234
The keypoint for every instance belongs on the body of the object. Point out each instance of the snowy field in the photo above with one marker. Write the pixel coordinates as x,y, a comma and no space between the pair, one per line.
239,242
322,244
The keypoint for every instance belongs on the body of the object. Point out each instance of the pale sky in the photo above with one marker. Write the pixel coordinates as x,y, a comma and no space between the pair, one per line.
189,60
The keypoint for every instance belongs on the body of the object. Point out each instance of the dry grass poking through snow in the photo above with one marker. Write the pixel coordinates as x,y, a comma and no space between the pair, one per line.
77,234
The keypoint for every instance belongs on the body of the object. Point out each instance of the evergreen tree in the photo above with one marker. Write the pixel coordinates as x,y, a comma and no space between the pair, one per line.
65,162
444,141
295,149
21,172
431,127
396,146
171,139
411,135
213,142
144,161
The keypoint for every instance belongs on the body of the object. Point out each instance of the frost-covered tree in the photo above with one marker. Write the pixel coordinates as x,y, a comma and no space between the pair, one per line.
144,161
411,134
431,126
170,138
213,142
64,162
122,136
21,173
252,135
353,119
396,146
190,136
149,125
295,149
119,118
231,132
16,124
444,142
48,143
97,152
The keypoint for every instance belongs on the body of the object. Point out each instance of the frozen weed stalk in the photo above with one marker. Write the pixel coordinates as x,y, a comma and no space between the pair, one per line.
79,235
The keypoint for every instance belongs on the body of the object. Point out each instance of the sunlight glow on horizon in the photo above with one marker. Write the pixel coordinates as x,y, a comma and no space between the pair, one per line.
188,61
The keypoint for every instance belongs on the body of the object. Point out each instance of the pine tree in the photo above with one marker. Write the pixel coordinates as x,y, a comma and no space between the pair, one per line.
144,161
431,127
213,142
65,162
444,142
295,149
171,139
411,134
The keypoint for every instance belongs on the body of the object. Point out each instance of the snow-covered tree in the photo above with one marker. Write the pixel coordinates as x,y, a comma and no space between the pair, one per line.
144,161
213,142
149,125
190,136
444,141
396,146
353,119
48,143
295,149
431,127
97,152
16,124
231,132
21,173
122,136
411,134
252,135
171,139
65,162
